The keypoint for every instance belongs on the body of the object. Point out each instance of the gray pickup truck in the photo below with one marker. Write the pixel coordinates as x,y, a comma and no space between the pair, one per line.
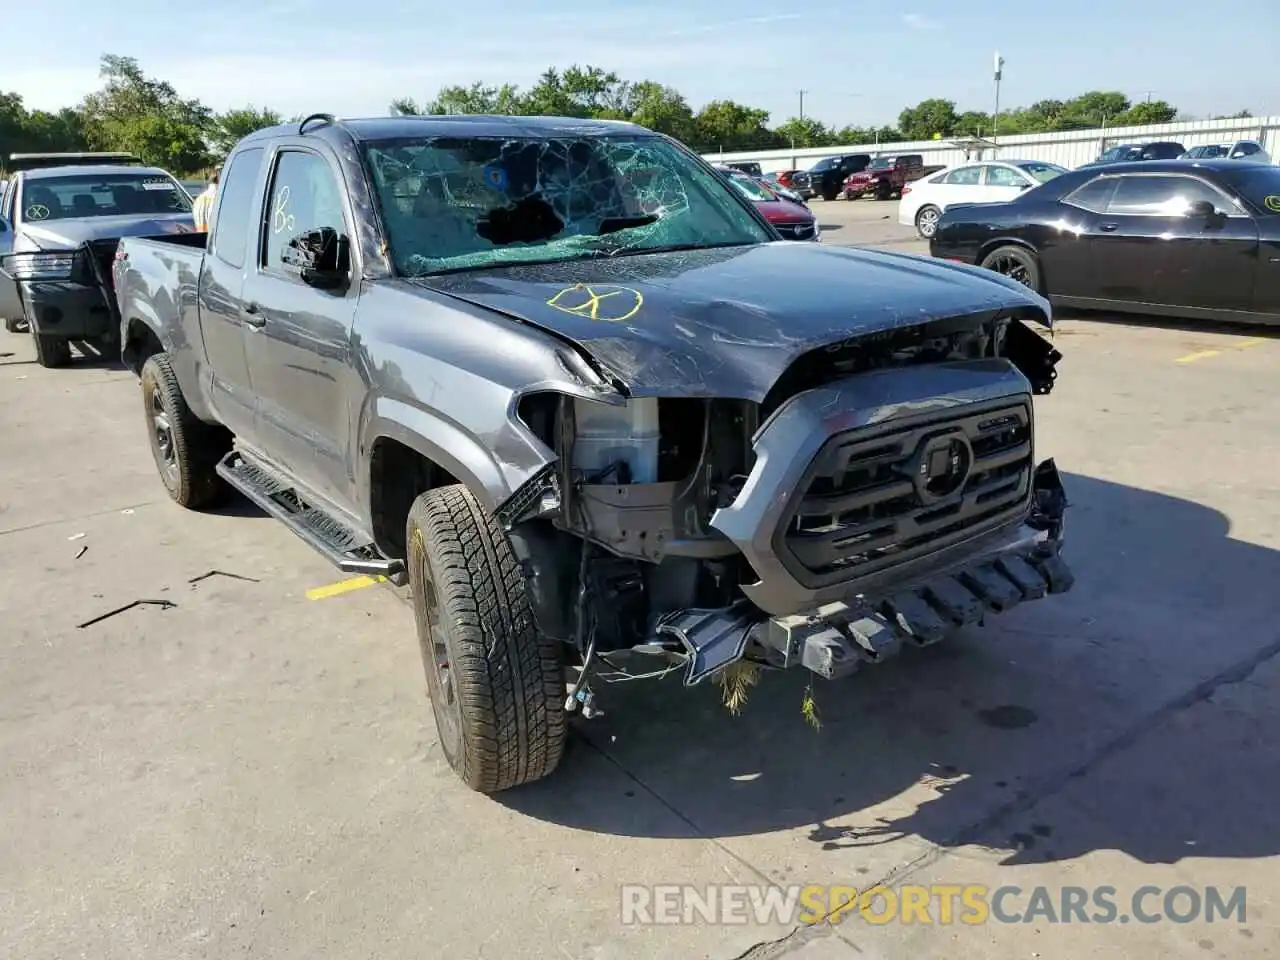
572,387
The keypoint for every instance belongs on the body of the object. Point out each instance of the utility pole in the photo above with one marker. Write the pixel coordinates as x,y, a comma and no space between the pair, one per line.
995,114
802,93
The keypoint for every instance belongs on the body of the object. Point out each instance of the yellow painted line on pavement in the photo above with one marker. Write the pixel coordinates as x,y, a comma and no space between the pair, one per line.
343,586
1199,355
1205,354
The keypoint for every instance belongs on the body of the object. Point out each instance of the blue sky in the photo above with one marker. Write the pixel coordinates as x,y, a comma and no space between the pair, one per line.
861,62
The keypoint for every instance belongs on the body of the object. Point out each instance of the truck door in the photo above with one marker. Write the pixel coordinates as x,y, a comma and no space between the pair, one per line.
231,245
299,336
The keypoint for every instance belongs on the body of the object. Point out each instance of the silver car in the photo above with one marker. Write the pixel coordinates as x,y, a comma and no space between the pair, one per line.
1248,150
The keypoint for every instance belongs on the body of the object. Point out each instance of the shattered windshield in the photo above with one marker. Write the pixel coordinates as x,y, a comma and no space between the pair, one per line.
464,203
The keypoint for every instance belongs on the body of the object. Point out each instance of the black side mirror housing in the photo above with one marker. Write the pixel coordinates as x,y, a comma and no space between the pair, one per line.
1201,209
321,257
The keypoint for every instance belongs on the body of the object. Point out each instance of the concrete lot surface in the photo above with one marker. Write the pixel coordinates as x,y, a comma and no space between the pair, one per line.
245,764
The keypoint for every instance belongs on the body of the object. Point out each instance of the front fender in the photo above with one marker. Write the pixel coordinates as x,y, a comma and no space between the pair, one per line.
469,460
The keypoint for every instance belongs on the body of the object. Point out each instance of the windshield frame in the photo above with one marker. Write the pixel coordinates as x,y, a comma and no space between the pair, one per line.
95,178
712,176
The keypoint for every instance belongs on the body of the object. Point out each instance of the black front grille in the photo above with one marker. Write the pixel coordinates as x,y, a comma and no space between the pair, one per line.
876,497
796,231
799,180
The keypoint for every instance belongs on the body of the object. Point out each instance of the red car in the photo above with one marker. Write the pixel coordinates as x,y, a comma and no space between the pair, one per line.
792,220
782,177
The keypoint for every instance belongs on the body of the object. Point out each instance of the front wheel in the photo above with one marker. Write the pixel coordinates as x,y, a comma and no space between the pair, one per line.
884,190
497,685
927,221
1016,263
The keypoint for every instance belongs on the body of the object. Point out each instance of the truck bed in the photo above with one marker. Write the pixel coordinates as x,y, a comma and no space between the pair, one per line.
156,271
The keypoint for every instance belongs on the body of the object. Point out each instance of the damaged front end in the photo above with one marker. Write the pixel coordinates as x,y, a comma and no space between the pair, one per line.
885,492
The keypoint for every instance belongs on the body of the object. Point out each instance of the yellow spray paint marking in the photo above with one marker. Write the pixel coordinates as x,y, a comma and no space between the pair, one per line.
599,301
343,586
1205,354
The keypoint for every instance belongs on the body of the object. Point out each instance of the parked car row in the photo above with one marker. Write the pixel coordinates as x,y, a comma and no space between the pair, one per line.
1249,151
791,218
1189,238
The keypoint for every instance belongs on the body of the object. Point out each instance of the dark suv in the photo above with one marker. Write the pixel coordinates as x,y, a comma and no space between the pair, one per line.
826,177
1126,152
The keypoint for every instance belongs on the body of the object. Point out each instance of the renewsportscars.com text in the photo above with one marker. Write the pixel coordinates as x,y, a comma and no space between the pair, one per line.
970,904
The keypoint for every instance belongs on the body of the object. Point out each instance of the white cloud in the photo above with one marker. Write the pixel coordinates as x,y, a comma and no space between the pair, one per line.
918,21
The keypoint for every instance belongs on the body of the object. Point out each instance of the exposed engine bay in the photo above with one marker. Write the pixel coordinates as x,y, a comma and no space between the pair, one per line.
620,536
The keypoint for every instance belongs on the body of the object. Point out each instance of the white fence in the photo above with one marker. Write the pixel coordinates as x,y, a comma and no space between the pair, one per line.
1070,148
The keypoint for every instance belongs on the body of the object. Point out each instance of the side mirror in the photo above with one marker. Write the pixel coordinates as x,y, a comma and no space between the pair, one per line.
1201,209
1024,185
321,257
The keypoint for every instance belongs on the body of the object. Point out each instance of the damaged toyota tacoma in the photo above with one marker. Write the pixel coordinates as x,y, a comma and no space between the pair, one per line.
571,387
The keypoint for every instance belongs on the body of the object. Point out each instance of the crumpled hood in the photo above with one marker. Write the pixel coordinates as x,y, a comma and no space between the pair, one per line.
728,322
69,234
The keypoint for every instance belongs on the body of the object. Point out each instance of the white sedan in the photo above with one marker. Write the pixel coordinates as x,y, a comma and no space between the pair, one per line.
982,181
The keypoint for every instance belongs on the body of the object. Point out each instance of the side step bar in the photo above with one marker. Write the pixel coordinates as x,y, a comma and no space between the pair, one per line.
349,551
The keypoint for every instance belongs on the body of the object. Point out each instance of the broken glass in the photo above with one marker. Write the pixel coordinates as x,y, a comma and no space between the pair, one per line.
457,203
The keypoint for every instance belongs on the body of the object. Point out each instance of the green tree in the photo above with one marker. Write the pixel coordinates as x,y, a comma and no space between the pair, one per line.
1149,111
806,133
231,127
928,117
1093,108
972,123
725,125
146,117
660,108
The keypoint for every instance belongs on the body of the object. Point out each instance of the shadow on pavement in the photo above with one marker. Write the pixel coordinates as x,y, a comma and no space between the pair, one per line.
1074,694
1113,319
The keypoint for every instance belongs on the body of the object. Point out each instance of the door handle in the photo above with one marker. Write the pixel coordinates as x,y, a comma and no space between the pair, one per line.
1109,227
252,317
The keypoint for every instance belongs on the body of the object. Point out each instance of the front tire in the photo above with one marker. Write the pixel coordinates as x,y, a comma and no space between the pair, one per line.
884,190
52,351
497,686
1016,263
927,221
185,448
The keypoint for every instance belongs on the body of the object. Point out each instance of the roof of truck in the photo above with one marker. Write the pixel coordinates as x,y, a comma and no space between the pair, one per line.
466,125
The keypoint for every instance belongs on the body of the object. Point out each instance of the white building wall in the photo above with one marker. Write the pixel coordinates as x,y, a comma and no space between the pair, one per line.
1070,148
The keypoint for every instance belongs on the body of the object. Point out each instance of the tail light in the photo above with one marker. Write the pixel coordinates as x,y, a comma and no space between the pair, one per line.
906,188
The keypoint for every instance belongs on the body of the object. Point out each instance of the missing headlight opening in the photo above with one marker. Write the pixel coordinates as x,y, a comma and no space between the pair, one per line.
883,491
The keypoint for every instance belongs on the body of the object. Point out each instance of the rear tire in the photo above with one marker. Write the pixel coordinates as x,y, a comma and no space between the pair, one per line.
185,448
927,221
52,351
497,686
1016,263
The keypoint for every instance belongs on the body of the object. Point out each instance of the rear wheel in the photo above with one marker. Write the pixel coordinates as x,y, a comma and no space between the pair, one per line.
185,448
496,684
1016,263
927,221
52,351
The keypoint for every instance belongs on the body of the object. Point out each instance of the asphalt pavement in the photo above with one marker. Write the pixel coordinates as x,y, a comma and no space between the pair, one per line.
215,745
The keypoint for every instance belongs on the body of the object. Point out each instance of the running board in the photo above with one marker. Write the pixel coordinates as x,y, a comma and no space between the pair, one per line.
349,551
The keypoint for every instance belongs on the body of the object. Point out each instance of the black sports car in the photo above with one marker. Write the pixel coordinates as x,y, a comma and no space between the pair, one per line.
1175,237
